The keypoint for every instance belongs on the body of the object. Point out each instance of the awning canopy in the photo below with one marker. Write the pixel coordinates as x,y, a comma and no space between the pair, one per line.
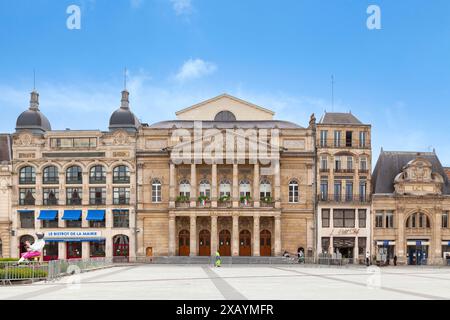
75,240
446,243
385,243
72,215
48,215
417,243
26,211
95,215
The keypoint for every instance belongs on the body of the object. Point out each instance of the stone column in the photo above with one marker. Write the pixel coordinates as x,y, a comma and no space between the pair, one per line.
277,235
140,186
85,250
85,188
256,233
62,250
194,193
193,235
214,235
235,236
255,193
109,247
172,235
400,245
214,186
235,191
109,190
436,241
277,189
171,185
39,195
140,237
356,249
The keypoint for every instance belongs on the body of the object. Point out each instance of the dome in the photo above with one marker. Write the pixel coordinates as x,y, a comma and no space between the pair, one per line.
32,119
123,118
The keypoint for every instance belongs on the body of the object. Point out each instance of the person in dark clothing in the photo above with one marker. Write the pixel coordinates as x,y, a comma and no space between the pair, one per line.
395,260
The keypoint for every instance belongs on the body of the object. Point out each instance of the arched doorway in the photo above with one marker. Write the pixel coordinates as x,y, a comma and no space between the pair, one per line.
22,241
265,243
204,243
183,243
245,243
121,246
225,243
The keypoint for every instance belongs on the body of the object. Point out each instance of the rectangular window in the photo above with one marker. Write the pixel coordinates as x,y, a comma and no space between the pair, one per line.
337,139
349,164
73,223
363,164
324,190
362,216
362,191
73,196
323,138
73,142
97,196
121,219
348,191
338,218
337,163
27,196
337,191
97,224
50,196
379,219
362,243
445,220
27,220
349,218
325,244
156,192
389,219
325,218
323,162
121,196
348,138
47,224
362,139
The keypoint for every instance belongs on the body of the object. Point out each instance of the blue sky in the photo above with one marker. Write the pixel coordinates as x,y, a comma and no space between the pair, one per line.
279,54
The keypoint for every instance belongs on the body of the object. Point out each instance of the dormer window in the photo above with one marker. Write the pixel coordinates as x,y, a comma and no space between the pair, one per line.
225,116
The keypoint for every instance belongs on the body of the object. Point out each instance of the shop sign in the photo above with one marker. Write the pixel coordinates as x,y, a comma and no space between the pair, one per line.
72,234
344,232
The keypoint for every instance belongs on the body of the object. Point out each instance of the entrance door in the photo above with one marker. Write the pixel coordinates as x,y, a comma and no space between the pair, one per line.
51,251
149,252
74,250
225,243
121,246
417,255
245,243
265,243
183,243
204,243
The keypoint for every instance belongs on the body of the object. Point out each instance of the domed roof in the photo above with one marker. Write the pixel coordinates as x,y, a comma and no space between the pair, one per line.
123,118
32,119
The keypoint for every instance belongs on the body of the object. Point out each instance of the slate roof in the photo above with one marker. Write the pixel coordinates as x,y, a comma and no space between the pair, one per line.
391,163
5,147
339,118
260,124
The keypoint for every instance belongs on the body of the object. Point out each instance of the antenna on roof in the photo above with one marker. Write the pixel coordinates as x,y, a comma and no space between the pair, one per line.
34,79
125,78
332,93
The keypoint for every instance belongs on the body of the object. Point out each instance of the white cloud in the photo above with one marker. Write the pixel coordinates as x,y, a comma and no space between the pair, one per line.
182,7
195,68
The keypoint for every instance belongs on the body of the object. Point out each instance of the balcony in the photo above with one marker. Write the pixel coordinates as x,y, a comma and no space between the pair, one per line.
97,201
73,202
344,198
224,204
363,171
324,170
344,170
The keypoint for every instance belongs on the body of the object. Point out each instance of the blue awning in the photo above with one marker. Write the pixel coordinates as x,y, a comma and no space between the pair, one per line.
95,215
26,211
48,215
72,215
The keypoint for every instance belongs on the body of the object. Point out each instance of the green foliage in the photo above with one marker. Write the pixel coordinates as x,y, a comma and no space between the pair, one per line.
182,199
224,198
267,199
19,272
201,198
9,259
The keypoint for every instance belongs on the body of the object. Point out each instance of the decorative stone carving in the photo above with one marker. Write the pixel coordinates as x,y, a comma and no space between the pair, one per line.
121,138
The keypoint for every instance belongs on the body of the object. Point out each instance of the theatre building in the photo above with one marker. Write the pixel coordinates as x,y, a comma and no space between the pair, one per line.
232,202
78,187
343,186
411,204
5,194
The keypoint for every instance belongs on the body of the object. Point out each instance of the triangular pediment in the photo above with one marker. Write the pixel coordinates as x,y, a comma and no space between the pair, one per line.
241,109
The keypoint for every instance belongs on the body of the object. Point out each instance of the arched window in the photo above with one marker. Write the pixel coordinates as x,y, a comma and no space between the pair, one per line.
185,189
265,189
27,175
97,174
225,116
205,189
418,220
225,188
156,190
293,191
121,174
74,175
50,175
244,188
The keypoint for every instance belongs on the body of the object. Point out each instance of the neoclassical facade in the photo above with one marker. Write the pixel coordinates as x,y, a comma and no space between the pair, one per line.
344,156
411,203
78,187
5,195
234,199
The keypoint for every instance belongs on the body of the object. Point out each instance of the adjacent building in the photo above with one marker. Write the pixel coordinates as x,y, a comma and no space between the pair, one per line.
411,203
343,185
78,187
5,194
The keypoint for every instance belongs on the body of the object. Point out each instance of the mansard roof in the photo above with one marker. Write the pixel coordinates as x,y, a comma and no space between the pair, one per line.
5,147
391,163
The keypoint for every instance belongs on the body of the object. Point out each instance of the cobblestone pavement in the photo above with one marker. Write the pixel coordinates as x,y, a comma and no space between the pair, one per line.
242,282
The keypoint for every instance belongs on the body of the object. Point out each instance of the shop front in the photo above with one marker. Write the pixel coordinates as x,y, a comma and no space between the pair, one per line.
73,242
385,250
446,251
417,252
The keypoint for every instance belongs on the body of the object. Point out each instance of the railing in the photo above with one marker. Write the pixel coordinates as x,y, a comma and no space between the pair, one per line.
32,271
59,268
267,204
344,198
340,170
182,204
224,204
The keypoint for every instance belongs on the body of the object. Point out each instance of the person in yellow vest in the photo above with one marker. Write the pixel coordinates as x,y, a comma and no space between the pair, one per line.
218,259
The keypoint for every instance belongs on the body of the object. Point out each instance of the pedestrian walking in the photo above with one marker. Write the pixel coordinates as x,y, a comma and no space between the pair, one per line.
395,260
367,258
218,259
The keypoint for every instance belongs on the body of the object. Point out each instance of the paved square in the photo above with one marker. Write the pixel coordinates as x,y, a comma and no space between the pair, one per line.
242,282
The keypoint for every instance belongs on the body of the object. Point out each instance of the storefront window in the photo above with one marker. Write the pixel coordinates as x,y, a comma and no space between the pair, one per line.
362,243
97,249
51,251
74,250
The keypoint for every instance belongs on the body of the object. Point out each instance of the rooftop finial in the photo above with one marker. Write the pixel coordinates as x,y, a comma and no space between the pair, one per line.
125,71
34,79
34,101
125,102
